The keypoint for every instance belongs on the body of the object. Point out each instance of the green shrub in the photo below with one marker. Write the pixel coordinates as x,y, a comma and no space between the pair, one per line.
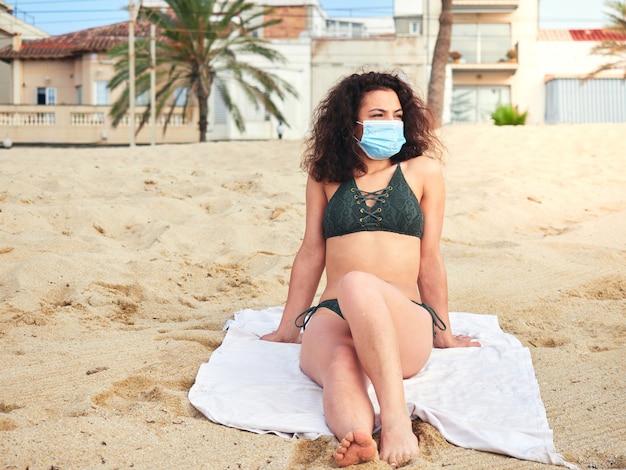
508,115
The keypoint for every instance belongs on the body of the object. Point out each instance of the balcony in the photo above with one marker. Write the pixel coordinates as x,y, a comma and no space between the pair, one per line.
483,60
484,6
87,125
495,67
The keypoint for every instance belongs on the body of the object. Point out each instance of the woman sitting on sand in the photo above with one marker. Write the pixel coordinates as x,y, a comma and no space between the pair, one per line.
375,208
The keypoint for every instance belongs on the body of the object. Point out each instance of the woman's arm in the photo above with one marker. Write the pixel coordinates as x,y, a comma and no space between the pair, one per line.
432,280
308,266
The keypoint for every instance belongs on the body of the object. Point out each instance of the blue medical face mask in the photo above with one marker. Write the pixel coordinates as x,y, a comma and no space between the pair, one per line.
381,139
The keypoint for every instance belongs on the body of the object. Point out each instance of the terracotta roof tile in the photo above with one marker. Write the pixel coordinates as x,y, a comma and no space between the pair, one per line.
580,35
596,35
99,39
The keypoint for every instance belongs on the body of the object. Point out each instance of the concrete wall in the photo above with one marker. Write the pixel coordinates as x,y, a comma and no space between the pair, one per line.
333,59
560,59
297,111
65,75
294,22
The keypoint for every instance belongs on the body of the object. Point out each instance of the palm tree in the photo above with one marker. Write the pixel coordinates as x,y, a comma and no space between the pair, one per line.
614,47
203,43
441,53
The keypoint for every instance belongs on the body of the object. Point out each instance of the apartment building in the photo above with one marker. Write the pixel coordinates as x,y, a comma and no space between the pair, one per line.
491,40
498,56
59,91
504,58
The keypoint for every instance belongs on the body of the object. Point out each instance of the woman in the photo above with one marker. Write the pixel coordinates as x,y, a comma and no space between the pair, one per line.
375,208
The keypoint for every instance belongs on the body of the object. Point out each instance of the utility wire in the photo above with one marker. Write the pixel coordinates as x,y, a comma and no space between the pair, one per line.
122,11
560,19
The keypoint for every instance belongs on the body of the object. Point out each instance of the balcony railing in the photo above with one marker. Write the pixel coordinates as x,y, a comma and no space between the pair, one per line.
484,6
506,62
502,67
27,118
87,119
87,125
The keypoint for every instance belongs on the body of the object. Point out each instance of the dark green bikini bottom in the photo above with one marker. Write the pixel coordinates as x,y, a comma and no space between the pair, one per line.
333,304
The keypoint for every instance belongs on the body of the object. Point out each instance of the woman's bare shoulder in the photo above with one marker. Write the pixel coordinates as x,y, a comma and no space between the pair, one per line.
422,168
423,163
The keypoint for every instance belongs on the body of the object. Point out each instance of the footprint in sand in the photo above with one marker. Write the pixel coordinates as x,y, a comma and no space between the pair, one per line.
7,423
232,277
126,300
137,393
209,339
143,236
604,288
241,186
551,231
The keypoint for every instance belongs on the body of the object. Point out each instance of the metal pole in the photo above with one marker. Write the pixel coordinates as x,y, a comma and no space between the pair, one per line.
131,70
153,83
428,59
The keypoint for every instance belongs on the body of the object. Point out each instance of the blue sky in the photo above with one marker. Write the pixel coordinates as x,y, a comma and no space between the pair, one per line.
63,16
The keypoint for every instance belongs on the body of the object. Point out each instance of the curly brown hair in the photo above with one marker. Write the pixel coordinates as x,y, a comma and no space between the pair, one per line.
331,152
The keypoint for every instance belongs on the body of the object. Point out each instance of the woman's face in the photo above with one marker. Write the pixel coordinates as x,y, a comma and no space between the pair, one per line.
378,105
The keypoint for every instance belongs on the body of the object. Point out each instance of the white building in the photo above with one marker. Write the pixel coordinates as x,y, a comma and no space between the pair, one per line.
13,31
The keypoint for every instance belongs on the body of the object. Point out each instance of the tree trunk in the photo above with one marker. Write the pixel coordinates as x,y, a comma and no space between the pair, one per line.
437,83
203,110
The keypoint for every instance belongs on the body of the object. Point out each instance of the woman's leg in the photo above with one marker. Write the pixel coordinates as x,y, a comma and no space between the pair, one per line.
329,358
393,340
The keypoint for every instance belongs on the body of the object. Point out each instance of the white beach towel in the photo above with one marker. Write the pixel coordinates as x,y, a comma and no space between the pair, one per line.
479,398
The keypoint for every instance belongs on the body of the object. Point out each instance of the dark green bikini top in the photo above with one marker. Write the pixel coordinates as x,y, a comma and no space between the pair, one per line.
396,209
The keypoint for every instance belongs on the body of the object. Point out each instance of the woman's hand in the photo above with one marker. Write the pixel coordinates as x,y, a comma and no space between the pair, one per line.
278,337
456,341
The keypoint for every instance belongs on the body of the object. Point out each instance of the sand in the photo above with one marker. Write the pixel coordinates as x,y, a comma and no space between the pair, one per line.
119,268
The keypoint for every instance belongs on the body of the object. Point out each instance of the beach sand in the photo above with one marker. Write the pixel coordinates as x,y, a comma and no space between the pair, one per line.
119,267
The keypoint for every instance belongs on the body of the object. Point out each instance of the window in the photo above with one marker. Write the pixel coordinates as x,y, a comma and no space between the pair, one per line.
143,99
46,95
345,29
476,103
102,93
415,28
79,94
221,111
481,42
180,96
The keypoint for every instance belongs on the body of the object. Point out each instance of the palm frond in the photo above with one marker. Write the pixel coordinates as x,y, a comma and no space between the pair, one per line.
230,105
199,42
614,48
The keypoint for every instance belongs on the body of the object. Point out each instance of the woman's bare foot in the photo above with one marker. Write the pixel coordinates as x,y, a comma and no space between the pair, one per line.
398,445
356,447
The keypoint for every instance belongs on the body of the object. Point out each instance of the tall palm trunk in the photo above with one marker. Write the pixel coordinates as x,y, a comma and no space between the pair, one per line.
203,110
437,83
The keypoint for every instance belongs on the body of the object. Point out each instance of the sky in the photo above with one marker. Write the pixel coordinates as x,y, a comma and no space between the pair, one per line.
64,16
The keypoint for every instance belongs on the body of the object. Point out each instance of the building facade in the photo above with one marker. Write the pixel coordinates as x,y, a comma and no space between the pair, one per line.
59,92
563,90
499,56
493,39
12,32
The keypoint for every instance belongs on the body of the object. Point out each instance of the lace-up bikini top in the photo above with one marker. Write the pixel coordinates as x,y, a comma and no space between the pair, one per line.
396,209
